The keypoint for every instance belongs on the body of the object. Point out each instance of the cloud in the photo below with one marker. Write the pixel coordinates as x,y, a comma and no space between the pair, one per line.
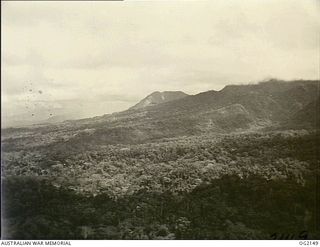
94,58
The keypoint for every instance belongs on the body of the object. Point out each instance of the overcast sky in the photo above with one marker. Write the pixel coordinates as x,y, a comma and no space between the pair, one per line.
82,59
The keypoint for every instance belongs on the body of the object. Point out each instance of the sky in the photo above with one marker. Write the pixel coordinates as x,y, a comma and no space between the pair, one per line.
83,59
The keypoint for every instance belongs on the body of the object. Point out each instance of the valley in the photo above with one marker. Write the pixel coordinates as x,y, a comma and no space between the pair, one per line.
240,163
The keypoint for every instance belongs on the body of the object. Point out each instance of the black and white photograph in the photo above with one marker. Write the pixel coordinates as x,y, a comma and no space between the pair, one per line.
160,120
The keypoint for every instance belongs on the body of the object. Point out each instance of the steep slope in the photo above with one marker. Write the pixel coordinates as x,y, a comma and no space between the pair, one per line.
234,108
308,116
272,100
158,98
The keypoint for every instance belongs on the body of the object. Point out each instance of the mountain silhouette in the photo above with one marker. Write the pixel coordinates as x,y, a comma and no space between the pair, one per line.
158,98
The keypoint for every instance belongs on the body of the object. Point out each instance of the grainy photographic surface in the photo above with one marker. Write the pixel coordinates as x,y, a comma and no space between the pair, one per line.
160,120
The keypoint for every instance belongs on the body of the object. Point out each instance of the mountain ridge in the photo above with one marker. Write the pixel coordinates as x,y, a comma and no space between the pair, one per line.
235,108
158,98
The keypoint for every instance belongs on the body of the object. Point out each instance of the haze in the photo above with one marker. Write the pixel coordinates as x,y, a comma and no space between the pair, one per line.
83,59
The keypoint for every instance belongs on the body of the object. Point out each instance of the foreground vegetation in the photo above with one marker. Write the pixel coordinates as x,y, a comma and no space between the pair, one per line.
239,186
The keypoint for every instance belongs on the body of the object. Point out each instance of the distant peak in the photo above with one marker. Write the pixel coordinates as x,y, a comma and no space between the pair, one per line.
155,92
157,97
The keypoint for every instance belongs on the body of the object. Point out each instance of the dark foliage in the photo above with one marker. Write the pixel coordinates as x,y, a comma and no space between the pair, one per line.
228,208
250,186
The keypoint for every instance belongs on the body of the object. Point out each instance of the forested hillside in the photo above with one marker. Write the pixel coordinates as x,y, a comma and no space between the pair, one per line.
240,163
247,186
